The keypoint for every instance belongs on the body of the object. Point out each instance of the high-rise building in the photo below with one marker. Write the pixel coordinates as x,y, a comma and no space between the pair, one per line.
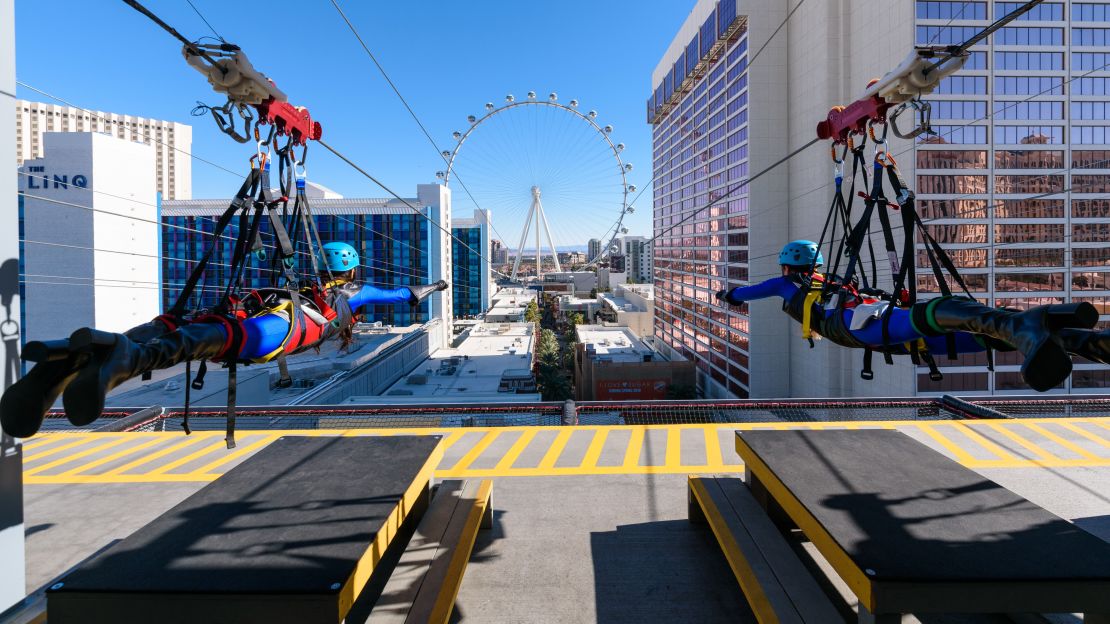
470,282
593,249
170,141
637,250
397,246
499,254
1013,184
88,225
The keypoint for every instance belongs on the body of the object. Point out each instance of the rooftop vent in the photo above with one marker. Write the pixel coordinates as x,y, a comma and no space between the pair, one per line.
399,392
417,380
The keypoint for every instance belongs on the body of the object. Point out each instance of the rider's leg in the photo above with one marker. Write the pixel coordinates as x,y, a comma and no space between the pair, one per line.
1092,345
1046,362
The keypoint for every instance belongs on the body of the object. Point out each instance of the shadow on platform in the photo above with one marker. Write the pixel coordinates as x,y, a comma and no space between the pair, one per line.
663,571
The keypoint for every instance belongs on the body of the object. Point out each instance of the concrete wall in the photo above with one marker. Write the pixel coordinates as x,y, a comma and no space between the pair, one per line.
12,571
835,48
94,259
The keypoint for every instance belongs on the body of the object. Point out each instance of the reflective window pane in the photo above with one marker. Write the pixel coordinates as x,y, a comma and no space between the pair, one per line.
1028,159
952,159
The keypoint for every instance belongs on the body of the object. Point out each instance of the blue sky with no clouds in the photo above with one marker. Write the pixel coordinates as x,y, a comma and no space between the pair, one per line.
447,58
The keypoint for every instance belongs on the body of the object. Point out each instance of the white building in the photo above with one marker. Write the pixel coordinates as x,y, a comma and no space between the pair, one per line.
491,363
89,258
631,306
170,141
637,253
509,305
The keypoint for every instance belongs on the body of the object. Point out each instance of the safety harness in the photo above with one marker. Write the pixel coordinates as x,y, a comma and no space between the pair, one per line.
840,293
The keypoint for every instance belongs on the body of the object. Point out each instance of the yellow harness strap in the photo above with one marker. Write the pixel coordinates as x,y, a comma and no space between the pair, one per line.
807,308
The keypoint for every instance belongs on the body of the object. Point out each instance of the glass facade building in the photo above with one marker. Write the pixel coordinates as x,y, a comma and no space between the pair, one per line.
1016,182
699,119
466,269
393,243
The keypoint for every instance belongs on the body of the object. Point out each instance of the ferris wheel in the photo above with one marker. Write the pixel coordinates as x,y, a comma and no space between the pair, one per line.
550,174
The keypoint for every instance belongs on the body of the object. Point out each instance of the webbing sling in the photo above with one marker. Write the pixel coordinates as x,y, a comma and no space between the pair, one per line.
241,202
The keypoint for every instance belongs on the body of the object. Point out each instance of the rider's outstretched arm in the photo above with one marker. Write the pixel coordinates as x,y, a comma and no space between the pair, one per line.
372,295
775,287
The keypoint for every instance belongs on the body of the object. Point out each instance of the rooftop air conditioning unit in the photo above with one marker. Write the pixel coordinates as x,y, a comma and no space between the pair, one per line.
417,380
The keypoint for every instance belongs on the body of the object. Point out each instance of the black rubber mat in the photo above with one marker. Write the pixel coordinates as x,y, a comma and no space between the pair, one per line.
903,512
291,523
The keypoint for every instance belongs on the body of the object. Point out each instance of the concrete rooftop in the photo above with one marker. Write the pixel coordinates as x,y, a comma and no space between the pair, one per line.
590,522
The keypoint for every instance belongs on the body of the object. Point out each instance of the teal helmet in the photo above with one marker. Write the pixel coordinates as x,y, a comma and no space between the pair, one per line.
340,257
801,253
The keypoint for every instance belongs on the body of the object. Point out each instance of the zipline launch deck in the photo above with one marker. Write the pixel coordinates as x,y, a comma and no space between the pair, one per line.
291,535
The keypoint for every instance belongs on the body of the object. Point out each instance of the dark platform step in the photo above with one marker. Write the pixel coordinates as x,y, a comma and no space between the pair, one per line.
290,535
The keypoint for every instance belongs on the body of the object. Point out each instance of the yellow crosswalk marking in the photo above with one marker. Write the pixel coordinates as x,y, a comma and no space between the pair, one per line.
214,444
109,458
185,441
1071,446
635,447
673,457
516,449
102,446
57,449
477,450
982,441
593,453
1086,434
556,448
956,450
1029,446
237,453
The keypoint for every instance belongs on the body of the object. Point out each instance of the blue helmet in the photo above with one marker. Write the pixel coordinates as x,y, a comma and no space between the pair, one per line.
340,257
801,253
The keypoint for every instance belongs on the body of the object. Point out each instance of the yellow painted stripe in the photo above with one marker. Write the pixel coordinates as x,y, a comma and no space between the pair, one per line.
57,449
1068,444
237,453
957,451
515,450
593,452
185,441
103,446
43,440
556,448
673,457
753,590
453,437
214,443
635,447
445,601
110,458
1086,434
1032,448
477,450
982,441
713,446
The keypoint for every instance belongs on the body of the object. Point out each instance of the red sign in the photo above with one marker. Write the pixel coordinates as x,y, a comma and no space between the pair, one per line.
621,389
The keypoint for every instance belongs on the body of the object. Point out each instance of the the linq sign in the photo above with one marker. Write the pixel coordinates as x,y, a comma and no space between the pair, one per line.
37,178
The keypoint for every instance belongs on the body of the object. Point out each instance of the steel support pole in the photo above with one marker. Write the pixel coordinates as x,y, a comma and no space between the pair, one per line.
12,571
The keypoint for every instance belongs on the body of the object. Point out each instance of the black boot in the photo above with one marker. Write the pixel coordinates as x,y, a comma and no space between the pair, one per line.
420,293
1095,346
147,331
25,403
1046,363
115,359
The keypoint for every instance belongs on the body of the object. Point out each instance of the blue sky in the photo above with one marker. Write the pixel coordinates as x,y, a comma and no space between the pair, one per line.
448,58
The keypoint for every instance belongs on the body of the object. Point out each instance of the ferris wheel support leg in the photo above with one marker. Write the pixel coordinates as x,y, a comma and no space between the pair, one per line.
523,237
547,230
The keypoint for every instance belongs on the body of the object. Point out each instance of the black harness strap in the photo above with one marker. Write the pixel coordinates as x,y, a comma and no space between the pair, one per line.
241,203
